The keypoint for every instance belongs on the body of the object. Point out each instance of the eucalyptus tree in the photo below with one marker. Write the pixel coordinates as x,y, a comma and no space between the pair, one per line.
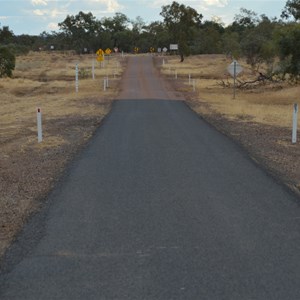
81,30
7,62
291,9
181,22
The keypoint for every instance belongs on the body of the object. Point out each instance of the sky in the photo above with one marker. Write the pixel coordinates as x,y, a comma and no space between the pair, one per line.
36,16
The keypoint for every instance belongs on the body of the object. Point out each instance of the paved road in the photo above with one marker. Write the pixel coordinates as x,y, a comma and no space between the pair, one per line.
159,206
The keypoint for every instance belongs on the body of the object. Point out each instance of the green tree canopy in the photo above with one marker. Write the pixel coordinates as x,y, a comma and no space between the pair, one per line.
7,62
81,30
181,22
291,9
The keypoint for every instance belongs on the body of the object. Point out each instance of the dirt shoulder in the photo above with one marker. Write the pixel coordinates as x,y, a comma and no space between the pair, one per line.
269,146
27,175
28,169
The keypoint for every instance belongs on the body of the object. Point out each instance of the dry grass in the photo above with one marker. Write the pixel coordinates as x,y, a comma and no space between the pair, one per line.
28,168
268,104
47,80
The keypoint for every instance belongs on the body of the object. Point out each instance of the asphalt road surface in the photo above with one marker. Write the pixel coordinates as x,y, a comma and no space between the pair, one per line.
159,206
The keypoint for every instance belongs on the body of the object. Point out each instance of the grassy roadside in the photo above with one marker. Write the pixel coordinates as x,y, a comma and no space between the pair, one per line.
46,80
259,118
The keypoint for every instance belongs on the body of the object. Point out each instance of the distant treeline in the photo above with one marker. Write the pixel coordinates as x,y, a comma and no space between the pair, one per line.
259,39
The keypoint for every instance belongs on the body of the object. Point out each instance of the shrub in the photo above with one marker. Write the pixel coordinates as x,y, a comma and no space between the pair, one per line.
7,62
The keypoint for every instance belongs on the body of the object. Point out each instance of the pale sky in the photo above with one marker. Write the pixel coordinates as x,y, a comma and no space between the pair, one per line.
35,16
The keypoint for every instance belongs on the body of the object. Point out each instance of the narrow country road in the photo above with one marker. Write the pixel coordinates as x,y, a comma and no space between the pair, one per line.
159,206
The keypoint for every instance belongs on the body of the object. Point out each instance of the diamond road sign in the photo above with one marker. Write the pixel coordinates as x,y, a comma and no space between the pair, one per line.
234,69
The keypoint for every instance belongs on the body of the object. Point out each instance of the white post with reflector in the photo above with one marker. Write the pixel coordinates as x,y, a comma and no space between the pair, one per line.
93,69
76,78
295,124
39,124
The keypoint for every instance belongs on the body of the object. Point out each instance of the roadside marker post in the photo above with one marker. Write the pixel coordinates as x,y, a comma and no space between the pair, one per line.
76,78
295,124
194,85
104,84
93,70
176,76
190,79
39,125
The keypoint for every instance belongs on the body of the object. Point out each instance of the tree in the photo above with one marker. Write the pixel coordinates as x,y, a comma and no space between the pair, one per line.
257,44
80,30
292,8
181,22
230,44
115,26
208,38
158,34
6,35
288,38
7,62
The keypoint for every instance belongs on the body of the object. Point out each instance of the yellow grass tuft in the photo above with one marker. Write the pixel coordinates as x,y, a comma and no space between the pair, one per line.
267,104
47,80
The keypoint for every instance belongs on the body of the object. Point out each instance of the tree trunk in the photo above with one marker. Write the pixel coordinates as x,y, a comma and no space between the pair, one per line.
181,57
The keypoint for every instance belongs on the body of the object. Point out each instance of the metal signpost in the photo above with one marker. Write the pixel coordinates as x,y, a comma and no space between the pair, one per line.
234,69
295,124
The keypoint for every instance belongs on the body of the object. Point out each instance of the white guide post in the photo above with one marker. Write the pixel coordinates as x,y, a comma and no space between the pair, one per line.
39,125
234,79
295,124
194,85
176,76
93,69
76,78
190,79
104,84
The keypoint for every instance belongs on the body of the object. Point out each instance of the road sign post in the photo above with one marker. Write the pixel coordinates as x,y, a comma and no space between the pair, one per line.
234,69
295,124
